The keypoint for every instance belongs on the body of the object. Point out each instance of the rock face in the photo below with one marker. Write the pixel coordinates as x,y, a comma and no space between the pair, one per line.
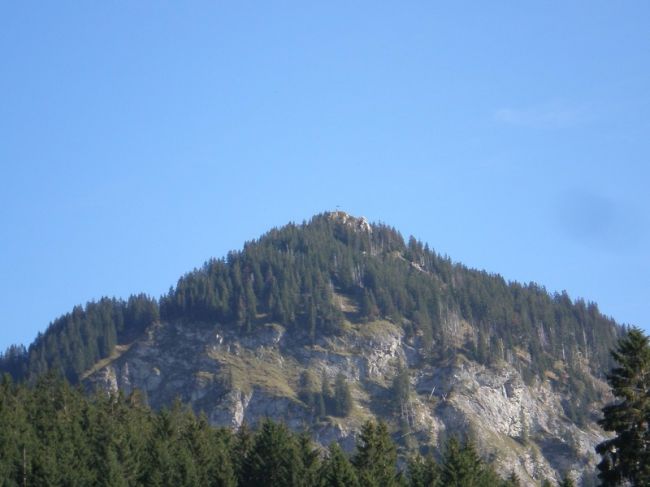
234,378
356,223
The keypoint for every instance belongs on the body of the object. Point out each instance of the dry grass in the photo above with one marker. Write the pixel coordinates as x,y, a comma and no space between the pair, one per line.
117,352
270,372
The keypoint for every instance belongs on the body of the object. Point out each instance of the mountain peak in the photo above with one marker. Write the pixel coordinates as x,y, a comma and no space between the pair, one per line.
430,346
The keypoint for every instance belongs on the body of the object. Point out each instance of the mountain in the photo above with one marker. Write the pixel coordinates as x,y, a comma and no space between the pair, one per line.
326,324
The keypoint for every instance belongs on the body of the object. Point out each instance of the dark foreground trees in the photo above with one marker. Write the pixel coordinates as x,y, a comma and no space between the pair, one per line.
626,456
53,434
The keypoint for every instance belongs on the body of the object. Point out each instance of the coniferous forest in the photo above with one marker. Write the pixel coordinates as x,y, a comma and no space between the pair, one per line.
53,434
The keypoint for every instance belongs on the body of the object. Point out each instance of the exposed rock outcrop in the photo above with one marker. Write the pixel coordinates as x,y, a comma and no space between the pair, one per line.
235,379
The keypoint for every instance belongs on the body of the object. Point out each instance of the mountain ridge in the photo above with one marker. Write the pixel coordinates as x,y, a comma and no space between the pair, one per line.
339,295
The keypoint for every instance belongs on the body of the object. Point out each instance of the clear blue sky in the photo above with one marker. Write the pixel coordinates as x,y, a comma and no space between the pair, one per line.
138,139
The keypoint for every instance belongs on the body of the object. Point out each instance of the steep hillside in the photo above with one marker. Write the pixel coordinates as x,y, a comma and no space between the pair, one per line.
311,315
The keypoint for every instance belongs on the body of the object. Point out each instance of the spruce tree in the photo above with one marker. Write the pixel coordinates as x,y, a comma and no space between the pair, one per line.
423,472
401,389
342,396
336,470
326,394
626,457
462,466
321,407
376,456
274,458
309,389
241,449
309,460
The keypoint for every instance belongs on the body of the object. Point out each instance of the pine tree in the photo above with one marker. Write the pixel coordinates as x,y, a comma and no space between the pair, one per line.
627,455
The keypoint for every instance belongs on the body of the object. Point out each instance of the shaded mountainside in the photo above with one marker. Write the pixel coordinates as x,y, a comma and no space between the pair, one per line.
334,321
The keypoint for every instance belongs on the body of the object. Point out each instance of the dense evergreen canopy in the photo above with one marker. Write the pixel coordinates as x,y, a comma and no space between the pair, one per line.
52,434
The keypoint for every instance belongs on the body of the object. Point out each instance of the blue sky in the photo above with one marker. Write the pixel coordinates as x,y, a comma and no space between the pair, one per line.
138,139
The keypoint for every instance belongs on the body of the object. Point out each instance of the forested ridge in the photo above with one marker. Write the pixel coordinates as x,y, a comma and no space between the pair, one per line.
74,342
293,276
